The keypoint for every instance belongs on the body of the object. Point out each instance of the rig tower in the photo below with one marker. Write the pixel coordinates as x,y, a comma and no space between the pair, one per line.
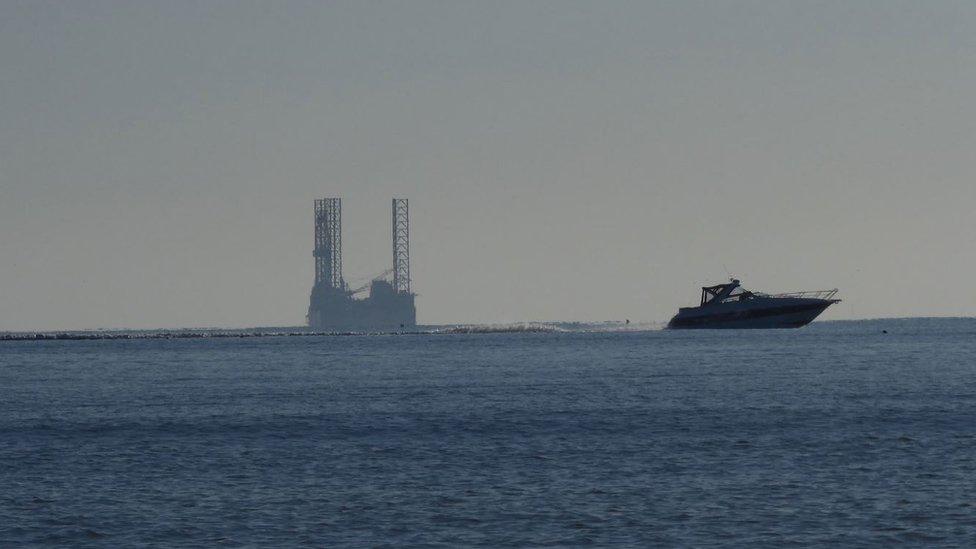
328,243
401,246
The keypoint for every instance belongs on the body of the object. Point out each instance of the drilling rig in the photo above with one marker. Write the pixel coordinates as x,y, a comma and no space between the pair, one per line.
333,306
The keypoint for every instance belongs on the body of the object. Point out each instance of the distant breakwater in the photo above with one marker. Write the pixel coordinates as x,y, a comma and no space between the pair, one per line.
94,336
216,333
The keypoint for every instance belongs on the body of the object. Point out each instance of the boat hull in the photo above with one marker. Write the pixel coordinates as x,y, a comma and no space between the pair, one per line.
796,314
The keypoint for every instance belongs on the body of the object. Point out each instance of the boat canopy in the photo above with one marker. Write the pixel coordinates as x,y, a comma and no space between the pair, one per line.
721,292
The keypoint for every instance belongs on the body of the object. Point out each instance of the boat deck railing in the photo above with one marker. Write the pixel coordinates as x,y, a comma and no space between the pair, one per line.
815,294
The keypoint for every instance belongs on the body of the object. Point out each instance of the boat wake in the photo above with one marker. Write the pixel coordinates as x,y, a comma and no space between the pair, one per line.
547,327
517,328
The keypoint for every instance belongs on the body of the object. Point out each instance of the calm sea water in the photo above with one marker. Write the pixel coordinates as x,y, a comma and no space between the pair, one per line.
833,434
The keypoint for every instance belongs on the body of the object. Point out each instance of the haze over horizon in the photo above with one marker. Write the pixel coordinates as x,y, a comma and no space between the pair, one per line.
564,160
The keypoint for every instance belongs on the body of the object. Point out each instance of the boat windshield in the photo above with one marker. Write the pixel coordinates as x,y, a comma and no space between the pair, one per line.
739,294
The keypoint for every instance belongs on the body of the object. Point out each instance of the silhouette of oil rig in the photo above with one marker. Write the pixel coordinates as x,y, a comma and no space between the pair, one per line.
333,305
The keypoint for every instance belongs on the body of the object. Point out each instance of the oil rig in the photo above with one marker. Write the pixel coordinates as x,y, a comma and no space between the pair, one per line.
333,305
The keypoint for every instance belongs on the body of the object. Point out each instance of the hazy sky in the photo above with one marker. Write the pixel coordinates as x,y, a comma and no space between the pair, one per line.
564,160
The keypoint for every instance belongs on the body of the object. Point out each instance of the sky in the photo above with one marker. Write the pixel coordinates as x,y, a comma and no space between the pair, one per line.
564,160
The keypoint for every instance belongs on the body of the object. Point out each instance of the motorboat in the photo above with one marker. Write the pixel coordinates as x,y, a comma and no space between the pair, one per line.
732,306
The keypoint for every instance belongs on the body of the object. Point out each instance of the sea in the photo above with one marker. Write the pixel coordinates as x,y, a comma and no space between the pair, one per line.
843,433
